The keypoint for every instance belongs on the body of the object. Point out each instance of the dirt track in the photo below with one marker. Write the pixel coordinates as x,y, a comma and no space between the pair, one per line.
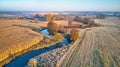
100,47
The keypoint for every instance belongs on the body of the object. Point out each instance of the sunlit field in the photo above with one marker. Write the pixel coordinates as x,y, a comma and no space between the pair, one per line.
14,39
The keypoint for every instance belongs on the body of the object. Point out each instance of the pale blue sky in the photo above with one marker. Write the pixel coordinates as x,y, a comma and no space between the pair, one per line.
59,5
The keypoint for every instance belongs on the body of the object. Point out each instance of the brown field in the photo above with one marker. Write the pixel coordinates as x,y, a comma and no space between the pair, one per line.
17,35
98,47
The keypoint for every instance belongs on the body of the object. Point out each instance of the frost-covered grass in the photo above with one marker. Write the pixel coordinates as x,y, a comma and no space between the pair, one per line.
99,48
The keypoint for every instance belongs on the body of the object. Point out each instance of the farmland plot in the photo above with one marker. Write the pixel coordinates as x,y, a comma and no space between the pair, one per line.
100,47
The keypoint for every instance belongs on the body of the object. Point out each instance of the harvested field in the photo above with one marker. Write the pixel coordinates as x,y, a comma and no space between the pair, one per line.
99,47
14,39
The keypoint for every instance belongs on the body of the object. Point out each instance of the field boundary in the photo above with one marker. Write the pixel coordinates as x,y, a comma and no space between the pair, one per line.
70,51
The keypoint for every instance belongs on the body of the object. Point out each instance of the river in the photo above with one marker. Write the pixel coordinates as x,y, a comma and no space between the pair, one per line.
23,60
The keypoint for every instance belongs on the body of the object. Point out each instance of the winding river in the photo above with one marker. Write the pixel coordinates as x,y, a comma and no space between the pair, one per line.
23,60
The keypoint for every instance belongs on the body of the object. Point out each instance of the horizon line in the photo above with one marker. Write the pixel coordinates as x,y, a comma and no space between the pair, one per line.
61,11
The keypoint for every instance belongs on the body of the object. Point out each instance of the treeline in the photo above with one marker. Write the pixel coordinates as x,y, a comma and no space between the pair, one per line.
48,17
54,28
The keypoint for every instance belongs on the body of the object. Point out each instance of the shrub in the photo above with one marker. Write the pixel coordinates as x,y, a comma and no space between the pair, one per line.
62,29
58,37
47,41
77,18
32,63
36,20
48,17
69,24
58,17
52,27
90,22
74,34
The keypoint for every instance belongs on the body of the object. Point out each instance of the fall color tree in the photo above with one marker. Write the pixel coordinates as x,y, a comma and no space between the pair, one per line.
37,15
79,19
48,17
69,24
52,27
58,17
58,37
47,41
88,20
32,63
62,29
36,20
74,34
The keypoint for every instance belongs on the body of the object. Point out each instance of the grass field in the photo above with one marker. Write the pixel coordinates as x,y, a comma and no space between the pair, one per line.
99,47
17,35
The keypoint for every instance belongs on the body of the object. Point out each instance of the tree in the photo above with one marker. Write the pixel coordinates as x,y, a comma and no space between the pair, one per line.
58,37
74,34
48,17
52,27
37,15
79,19
69,24
88,20
32,63
92,23
47,41
62,29
58,17
36,20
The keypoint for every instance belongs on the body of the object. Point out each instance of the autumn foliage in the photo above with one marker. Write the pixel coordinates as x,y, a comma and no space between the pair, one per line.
74,34
79,19
69,24
36,20
47,41
52,27
58,37
32,63
90,22
48,17
62,29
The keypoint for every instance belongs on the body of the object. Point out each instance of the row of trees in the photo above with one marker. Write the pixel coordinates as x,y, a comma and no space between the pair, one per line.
87,20
48,17
53,28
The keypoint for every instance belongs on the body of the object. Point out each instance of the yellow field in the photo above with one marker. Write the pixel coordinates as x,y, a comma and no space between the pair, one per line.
17,35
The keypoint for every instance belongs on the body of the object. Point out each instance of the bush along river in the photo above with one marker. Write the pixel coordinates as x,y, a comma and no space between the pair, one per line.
24,59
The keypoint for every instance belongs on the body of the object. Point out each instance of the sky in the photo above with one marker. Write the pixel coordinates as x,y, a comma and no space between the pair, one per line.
59,5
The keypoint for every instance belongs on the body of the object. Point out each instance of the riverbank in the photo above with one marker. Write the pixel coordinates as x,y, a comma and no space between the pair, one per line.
74,45
35,47
12,57
53,57
17,31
